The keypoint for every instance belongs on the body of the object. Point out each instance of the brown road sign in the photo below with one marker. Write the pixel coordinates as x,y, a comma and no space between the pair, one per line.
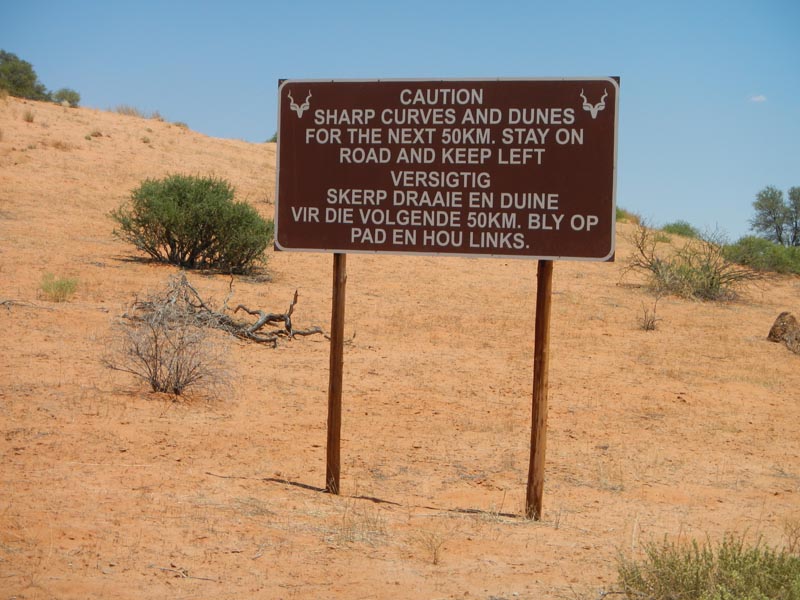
516,168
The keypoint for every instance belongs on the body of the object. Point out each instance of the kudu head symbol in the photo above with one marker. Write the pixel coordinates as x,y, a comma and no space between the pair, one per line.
594,108
302,108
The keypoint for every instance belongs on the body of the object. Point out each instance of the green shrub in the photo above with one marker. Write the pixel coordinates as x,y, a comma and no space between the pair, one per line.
763,255
731,570
683,228
58,289
67,95
194,222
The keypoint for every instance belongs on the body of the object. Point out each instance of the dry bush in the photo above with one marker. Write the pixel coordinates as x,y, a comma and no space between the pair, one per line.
648,319
698,269
169,349
431,543
791,530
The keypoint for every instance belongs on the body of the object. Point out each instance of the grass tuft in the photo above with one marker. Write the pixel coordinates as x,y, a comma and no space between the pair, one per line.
128,111
58,289
731,569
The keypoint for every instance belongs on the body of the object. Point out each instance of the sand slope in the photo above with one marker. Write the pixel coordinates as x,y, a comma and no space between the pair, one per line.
111,491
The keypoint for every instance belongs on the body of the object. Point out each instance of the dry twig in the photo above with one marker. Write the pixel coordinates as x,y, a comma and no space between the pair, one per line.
187,302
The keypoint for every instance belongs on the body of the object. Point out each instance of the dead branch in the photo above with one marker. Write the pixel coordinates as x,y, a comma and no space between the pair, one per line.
9,303
182,304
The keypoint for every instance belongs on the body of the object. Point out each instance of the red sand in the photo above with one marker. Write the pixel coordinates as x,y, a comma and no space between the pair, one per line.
111,491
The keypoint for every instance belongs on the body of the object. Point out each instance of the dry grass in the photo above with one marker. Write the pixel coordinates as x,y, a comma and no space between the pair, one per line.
648,318
359,522
129,111
57,289
431,543
61,145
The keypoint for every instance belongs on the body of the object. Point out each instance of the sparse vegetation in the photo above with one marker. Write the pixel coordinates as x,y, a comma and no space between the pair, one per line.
129,111
791,530
648,319
169,349
57,289
28,116
68,96
274,140
763,255
360,522
61,145
683,228
627,216
431,542
181,124
194,222
731,569
698,269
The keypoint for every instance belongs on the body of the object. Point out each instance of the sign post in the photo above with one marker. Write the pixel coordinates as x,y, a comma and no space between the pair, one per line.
541,363
513,168
333,464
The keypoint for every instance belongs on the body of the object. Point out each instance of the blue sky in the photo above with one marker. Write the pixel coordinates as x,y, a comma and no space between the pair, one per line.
709,100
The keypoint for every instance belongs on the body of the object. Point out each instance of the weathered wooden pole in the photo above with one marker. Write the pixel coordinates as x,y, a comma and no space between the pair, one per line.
541,360
333,467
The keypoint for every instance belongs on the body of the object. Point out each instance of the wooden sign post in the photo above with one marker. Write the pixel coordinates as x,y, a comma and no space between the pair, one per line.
511,168
541,364
333,466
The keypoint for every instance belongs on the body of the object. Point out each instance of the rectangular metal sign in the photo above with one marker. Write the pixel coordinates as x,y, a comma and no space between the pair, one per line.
513,168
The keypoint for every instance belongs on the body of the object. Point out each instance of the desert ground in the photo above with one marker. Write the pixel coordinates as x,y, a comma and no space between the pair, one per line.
108,490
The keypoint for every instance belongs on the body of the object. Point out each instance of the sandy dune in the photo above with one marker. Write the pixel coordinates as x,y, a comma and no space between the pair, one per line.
107,490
